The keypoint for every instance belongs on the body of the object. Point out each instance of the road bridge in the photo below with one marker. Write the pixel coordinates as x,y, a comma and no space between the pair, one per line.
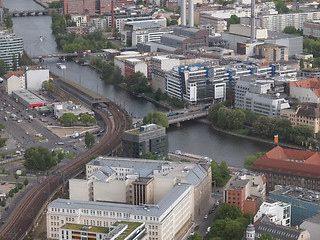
18,13
62,56
177,119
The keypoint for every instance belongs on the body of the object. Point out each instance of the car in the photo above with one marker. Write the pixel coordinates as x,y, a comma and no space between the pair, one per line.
1,109
211,211
19,121
205,216
196,228
60,143
75,148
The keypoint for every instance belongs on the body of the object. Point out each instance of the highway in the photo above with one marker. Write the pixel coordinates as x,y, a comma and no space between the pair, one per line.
27,211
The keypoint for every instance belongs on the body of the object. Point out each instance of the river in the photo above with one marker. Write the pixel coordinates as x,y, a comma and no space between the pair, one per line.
191,137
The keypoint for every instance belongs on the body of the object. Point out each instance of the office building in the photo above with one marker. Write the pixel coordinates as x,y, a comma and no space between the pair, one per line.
304,114
283,166
11,47
193,84
247,192
278,213
304,203
254,94
149,138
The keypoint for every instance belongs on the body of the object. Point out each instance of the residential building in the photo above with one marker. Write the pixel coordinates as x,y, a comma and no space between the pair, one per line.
311,28
14,81
283,166
192,83
278,213
254,94
134,65
99,23
11,47
305,114
304,203
247,192
79,20
264,226
306,90
69,107
117,231
149,138
312,225
277,22
87,7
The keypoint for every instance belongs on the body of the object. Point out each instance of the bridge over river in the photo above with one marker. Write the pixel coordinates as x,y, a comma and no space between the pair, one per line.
18,13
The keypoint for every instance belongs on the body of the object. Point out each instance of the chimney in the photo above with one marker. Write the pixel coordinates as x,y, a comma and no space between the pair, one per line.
183,12
65,7
191,13
253,30
112,17
1,3
146,6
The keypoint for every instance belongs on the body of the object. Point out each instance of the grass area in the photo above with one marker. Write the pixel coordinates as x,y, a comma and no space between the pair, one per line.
86,228
131,227
243,131
137,131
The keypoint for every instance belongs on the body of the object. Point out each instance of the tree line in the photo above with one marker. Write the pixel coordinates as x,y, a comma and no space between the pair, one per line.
259,125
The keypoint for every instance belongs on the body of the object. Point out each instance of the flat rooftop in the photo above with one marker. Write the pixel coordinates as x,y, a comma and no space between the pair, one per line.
29,96
86,228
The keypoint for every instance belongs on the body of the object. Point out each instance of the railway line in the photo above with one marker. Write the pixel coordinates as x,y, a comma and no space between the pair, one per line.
24,216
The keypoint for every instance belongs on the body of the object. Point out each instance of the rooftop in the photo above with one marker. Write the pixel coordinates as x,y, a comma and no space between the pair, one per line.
85,228
292,161
29,96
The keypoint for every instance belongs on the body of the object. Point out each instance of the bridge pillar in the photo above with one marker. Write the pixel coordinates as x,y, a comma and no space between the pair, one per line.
178,124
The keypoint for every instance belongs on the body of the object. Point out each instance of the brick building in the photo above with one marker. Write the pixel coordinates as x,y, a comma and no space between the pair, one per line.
283,166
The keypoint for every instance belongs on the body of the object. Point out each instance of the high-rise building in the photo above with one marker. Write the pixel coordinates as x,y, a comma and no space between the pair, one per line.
11,48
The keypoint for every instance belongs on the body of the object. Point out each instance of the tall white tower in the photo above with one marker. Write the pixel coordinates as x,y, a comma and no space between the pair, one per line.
250,232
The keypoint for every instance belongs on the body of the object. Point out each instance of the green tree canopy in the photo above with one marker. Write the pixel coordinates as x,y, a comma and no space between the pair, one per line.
87,119
158,118
292,30
302,133
149,156
195,236
4,68
266,236
47,86
249,160
68,119
234,19
39,158
89,139
220,173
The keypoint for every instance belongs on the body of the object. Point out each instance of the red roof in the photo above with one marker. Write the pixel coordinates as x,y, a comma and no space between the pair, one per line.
15,73
312,83
292,161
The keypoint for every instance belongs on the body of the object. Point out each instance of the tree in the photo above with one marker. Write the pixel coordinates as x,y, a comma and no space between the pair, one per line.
87,119
39,158
60,156
292,30
213,112
149,156
14,63
249,160
266,236
301,63
2,141
220,173
68,119
281,7
234,19
195,236
47,86
3,203
301,133
89,139
158,118
16,176
4,67
8,21
26,182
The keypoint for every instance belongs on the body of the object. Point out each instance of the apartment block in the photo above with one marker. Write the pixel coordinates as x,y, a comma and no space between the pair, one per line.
247,192
10,47
14,81
311,28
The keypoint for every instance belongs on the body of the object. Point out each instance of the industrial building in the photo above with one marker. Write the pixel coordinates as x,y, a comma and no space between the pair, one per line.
10,47
69,107
247,192
28,99
149,138
304,203
283,166
180,194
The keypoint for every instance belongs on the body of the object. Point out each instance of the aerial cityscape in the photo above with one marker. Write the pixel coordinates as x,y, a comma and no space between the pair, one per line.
159,120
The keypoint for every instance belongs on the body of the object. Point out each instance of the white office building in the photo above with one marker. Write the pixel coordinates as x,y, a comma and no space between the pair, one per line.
278,213
10,47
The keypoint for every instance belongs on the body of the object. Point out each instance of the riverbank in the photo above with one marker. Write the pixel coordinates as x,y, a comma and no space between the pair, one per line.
286,145
42,3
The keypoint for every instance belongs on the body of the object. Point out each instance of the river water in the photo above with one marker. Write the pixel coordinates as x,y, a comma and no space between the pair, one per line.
191,137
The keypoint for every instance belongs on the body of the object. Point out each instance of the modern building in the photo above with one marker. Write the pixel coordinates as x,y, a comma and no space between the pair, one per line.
247,192
219,24
312,225
14,81
305,114
278,213
256,95
304,203
193,84
283,166
79,20
69,107
28,99
149,138
134,65
306,90
310,72
117,231
99,23
11,48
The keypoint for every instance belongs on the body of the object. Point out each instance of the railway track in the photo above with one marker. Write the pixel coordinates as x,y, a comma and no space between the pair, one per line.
23,218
